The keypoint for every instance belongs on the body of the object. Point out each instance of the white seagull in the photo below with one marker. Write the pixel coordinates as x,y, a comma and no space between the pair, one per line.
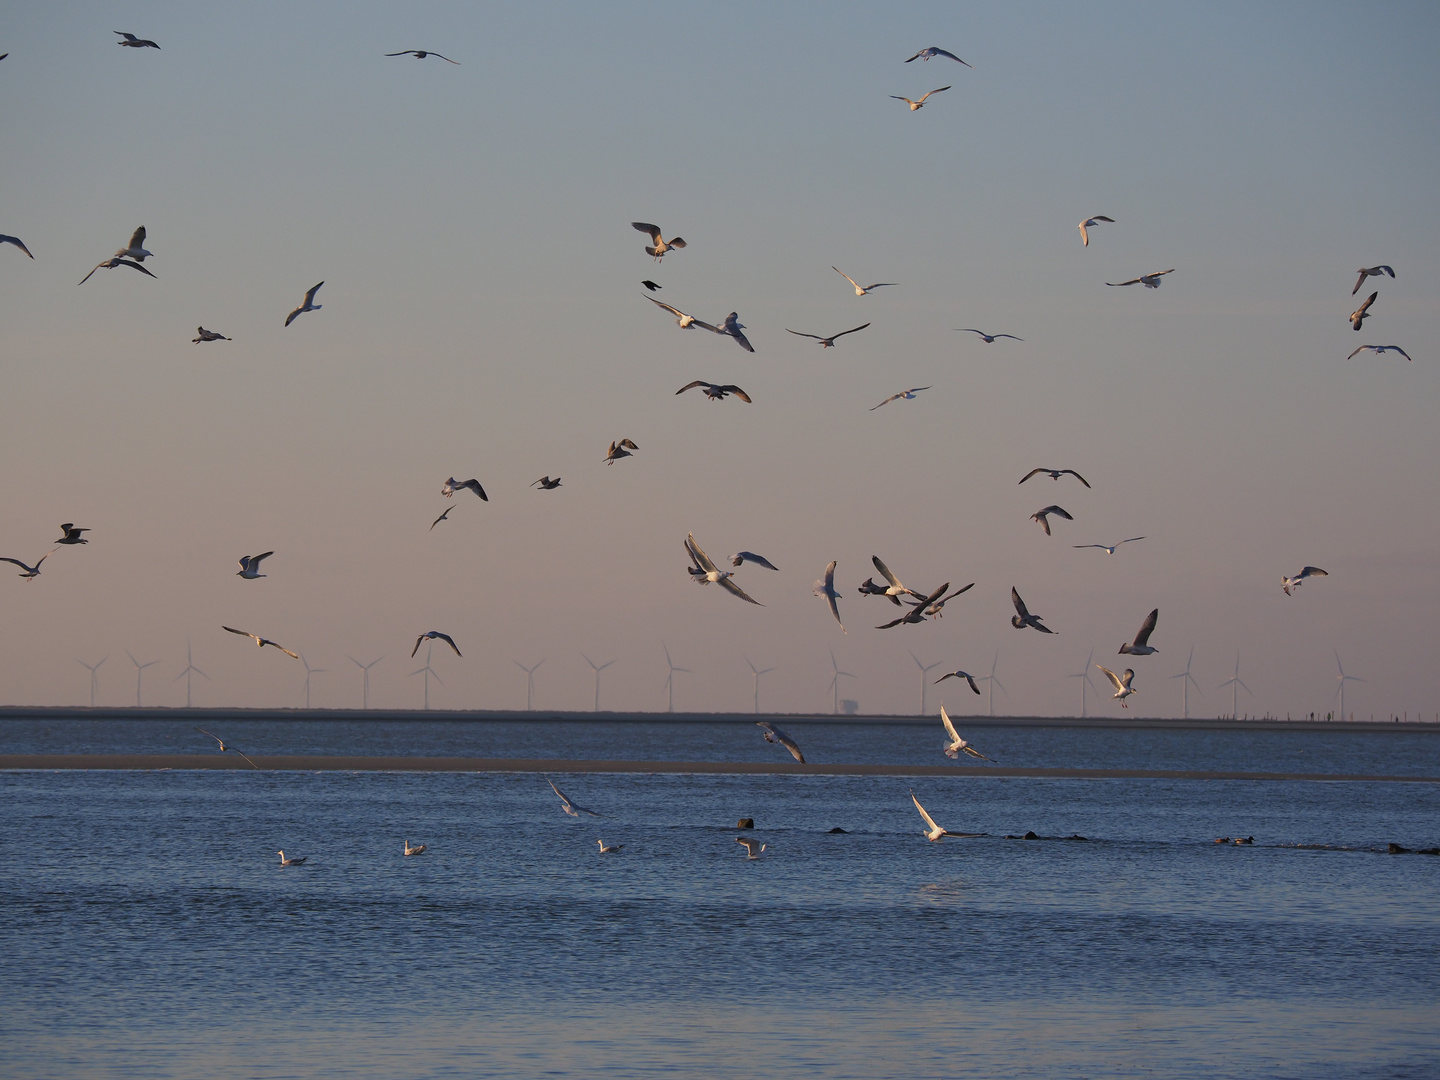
753,848
31,572
706,572
919,610
1141,645
435,635
715,392
619,450
1043,516
1377,350
308,305
935,832
138,43
661,245
16,241
684,321
826,587
208,335
935,50
567,804
1022,617
827,342
1289,584
1360,314
261,642
451,486
957,744
1123,689
420,850
732,326
421,54
749,556
959,675
774,735
611,850
72,534
1055,474
1085,225
224,748
1150,281
896,589
861,290
921,103
908,395
299,860
1373,271
989,339
136,248
1109,549
250,566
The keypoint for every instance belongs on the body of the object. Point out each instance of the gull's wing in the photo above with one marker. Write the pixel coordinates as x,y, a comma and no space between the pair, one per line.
1368,301
1147,628
928,819
1360,281
1084,235
915,57
418,640
653,230
474,485
897,97
752,557
1058,510
690,550
449,641
894,622
310,294
786,741
20,564
445,58
728,584
733,389
850,331
1072,472
1385,268
137,238
245,756
244,562
213,736
134,266
1118,682
797,333
1131,540
282,648
1032,472
628,444
1020,607
936,91
926,601
16,241
949,727
731,327
886,574
288,318
1352,356
1132,281
88,276
442,517
1309,571
692,385
829,594
941,52
405,52
1401,351
673,310
255,559
564,801
842,273
887,401
699,555
242,633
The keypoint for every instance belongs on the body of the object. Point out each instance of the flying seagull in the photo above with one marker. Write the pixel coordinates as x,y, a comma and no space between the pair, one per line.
753,848
420,850
826,587
421,54
31,572
917,612
1043,516
1055,474
936,610
567,804
299,859
546,484
1085,225
749,556
208,335
1289,584
1123,689
959,675
1360,314
896,589
261,642
957,744
935,50
706,571
224,748
136,248
14,239
1022,617
661,245
435,635
1373,271
131,41
861,290
921,103
441,518
869,588
250,566
613,849
685,322
619,450
1377,350
1109,549
650,285
72,534
451,486
989,339
1141,645
732,326
111,264
714,392
908,395
935,832
1150,281
774,735
827,342
308,305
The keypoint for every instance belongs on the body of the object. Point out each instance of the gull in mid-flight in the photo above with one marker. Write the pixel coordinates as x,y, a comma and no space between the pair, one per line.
959,675
546,484
706,571
1372,271
1150,281
936,610
308,305
774,735
208,335
451,486
908,395
72,534
1109,549
918,104
618,450
861,290
261,642
827,342
685,322
1123,689
1377,350
435,635
250,566
420,850
715,392
896,589
732,326
1055,474
1085,225
989,339
826,587
441,518
111,264
957,744
935,50
1043,516
918,611
299,859
138,43
1360,314
15,240
1141,645
749,556
650,285
611,849
136,248
661,245
1022,617
569,805
421,54
30,572
753,848
224,748
935,832
869,588
1289,584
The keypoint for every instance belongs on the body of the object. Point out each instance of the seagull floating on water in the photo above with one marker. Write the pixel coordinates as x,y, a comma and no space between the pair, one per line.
774,735
569,805
451,486
131,41
749,556
1377,350
661,245
435,635
957,744
921,103
1289,584
421,54
421,849
826,587
299,859
1360,314
1043,516
989,339
111,264
935,832
957,674
1109,549
1022,617
1141,645
908,395
935,50
261,642
14,239
619,450
706,571
1123,689
861,290
1055,474
72,534
714,392
250,566
753,848
208,335
1373,271
1150,281
308,305
1085,225
31,572
610,850
225,748
546,484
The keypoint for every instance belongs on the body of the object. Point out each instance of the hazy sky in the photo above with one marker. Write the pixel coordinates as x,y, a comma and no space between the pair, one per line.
482,316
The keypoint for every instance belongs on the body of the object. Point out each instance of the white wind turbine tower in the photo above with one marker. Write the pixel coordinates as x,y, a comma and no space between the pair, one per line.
994,682
1084,677
365,692
529,681
190,669
924,679
597,668
94,680
1190,681
139,668
428,671
1342,679
1235,686
835,674
670,678
308,672
757,672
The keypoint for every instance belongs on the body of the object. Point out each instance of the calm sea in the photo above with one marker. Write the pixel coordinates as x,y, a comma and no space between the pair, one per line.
147,929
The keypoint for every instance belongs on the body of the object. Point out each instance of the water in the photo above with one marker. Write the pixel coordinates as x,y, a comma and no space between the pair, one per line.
148,930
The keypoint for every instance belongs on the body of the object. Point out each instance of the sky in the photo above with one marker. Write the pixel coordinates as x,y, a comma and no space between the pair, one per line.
483,316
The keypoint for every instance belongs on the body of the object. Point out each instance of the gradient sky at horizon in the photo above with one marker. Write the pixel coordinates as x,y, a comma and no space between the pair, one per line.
482,316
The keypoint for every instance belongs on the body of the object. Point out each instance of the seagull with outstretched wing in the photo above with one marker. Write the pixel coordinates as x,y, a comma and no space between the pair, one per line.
709,572
1022,617
827,342
435,635
861,290
826,587
921,103
935,50
957,744
774,735
1043,516
1141,645
261,642
1150,281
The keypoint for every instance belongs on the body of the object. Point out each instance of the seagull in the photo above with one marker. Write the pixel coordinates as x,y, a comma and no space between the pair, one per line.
451,486
441,518
224,748
935,50
250,566
896,589
714,392
72,534
421,54
685,322
611,850
261,642
546,484
1360,314
1287,583
959,675
1150,281
921,103
935,832
861,290
869,588
989,339
753,848
1055,474
435,635
135,43
619,450
957,744
298,860
1042,516
1141,645
1109,549
706,571
936,610
208,335
908,395
826,342
1373,271
917,612
31,572
14,239
650,285
1123,689
570,807
111,264
774,735
1377,350
421,849
1022,617
749,556
308,305
661,246
732,326
136,248
1084,225
826,587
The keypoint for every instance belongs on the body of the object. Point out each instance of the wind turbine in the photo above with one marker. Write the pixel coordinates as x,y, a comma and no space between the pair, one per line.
308,672
597,668
757,672
427,671
530,680
1235,684
189,669
993,681
1189,681
139,667
365,694
924,679
1084,677
94,680
835,682
670,678
1342,679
